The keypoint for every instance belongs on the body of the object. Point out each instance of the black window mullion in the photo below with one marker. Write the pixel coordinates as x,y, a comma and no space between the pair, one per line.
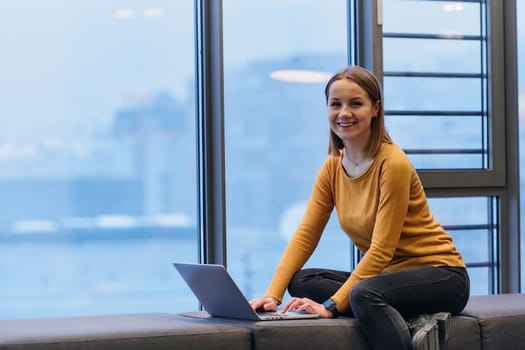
210,132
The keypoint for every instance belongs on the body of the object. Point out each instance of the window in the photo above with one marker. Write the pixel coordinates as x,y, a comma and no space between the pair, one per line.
440,70
276,129
435,81
97,154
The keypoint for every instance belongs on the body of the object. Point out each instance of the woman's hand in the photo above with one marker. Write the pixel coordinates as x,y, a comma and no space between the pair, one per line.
264,304
307,305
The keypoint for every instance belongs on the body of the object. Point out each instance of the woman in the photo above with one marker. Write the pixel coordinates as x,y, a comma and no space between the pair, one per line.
410,266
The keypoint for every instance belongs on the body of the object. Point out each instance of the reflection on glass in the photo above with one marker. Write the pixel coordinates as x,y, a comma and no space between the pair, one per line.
97,157
445,18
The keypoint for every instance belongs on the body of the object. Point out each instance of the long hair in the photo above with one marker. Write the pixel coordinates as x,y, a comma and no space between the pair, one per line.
368,82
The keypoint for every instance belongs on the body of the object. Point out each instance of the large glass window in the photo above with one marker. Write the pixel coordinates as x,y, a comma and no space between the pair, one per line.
97,156
276,129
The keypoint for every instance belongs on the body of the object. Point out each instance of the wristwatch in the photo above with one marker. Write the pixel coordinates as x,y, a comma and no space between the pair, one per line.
330,305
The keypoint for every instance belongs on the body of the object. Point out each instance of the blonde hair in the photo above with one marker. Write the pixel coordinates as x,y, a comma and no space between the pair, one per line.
368,82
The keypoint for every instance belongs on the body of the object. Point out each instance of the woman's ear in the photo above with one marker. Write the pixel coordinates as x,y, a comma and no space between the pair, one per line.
376,108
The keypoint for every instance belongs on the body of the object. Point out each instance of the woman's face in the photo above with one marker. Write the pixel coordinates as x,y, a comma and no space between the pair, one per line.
350,111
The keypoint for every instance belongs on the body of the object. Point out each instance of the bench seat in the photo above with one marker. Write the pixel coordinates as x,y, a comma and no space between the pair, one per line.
501,320
341,333
148,331
488,322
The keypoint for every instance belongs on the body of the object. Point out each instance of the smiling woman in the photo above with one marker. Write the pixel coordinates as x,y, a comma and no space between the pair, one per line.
409,266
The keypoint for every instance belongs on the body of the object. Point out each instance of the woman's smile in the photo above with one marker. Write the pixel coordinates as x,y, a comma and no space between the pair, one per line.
346,123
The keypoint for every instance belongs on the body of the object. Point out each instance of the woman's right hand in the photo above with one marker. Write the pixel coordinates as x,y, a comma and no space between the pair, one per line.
264,304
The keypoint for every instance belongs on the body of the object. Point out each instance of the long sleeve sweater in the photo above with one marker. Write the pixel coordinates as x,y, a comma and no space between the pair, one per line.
384,212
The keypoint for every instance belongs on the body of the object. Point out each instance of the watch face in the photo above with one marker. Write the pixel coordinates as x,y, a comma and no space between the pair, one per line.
329,303
332,307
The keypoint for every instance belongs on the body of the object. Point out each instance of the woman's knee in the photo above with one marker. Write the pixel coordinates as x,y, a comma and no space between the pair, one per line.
316,284
364,295
357,295
296,285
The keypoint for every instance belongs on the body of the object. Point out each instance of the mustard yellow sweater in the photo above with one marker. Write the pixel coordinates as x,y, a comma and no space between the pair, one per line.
384,212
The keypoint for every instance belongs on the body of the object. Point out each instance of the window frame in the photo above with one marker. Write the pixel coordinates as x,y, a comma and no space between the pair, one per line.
501,179
210,132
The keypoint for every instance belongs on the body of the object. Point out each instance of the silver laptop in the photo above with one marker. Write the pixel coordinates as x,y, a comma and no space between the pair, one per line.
220,296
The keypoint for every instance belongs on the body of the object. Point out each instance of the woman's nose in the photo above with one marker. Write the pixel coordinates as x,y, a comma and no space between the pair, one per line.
346,111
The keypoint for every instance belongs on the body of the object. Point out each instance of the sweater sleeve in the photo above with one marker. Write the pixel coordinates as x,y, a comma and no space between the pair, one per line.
394,194
307,234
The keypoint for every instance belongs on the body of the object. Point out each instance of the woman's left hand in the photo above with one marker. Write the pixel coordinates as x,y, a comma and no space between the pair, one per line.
307,305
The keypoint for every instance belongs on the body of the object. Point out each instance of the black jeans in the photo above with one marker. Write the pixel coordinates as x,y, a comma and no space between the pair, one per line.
383,303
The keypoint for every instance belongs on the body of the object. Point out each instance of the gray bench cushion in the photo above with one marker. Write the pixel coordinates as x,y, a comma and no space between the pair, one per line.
126,332
464,334
341,333
501,320
344,333
334,334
